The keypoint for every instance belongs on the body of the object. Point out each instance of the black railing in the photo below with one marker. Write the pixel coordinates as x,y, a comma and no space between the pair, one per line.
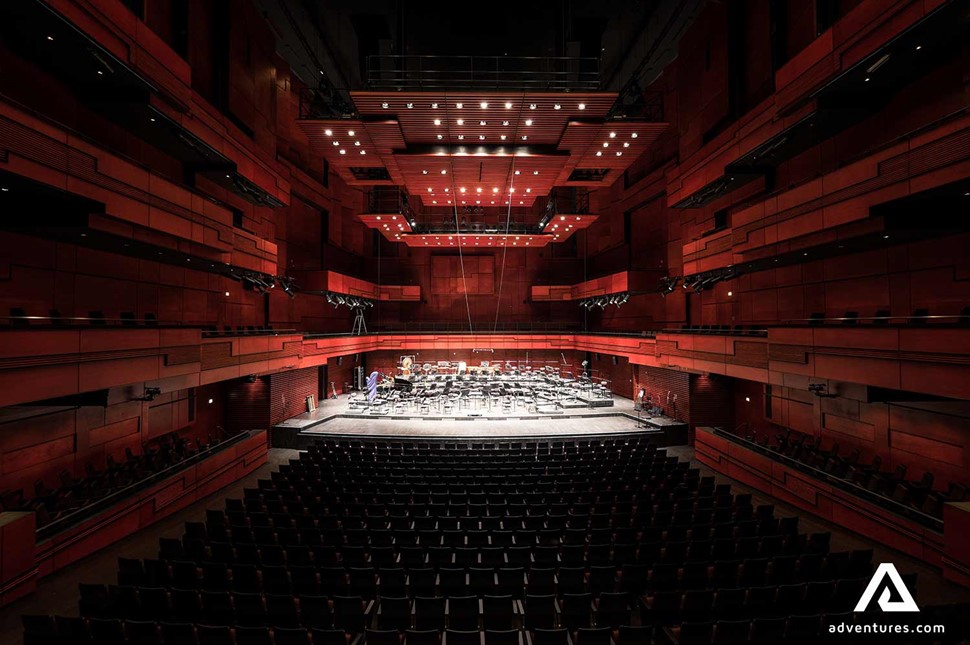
545,74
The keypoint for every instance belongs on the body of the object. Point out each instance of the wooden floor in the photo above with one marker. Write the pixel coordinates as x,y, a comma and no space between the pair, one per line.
58,594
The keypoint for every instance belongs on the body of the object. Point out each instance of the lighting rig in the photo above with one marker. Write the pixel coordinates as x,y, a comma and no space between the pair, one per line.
263,282
351,302
603,302
700,281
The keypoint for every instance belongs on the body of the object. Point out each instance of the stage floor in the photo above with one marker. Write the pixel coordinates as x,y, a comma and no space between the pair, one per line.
335,417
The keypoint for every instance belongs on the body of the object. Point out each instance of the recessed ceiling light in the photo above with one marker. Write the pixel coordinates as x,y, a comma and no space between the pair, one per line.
481,137
378,218
447,189
525,137
528,121
434,106
459,105
556,107
336,143
528,190
385,105
867,79
356,143
437,121
612,135
606,144
484,104
328,132
505,122
441,136
502,137
434,201
626,144
462,189
461,137
100,73
582,106
52,38
478,190
350,133
532,106
430,189
363,152
494,190
508,105
633,135
444,172
918,47
599,153
518,172
619,153
342,151
424,172
410,105
535,172
482,123
152,119
460,121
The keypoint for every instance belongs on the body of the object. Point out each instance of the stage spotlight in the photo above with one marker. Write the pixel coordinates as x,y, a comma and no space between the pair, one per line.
622,299
331,300
341,300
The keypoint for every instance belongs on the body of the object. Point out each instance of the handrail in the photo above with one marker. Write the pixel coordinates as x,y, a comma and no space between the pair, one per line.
881,500
887,319
66,521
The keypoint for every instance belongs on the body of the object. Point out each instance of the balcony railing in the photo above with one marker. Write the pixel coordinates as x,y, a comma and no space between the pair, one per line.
539,74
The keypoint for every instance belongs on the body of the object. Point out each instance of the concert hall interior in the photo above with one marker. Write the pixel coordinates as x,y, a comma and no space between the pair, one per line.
372,322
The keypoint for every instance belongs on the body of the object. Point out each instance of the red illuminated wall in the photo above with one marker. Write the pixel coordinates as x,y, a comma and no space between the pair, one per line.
662,386
38,442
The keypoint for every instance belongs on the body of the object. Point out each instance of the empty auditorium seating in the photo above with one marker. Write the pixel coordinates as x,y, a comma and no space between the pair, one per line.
560,542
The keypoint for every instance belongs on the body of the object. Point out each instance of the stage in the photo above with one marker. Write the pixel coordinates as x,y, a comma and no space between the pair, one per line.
335,417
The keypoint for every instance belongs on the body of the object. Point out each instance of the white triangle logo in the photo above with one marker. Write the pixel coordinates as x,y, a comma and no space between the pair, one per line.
905,603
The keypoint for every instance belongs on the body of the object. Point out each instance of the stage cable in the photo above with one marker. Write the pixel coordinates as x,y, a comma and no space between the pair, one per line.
509,181
454,201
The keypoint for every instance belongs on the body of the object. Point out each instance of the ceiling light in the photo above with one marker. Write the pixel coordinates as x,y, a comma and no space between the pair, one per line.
460,121
599,153
461,137
606,144
633,135
495,190
441,136
508,105
434,201
459,105
336,143
356,143
505,122
100,73
410,105
619,153
342,151
867,79
556,107
481,137
434,106
430,189
612,135
528,121
437,121
384,105
350,133
532,106
626,144
525,137
484,104
328,132
528,190
535,172
582,106
363,152
502,137
52,38
482,123
424,172
447,189
918,47
444,172
462,189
